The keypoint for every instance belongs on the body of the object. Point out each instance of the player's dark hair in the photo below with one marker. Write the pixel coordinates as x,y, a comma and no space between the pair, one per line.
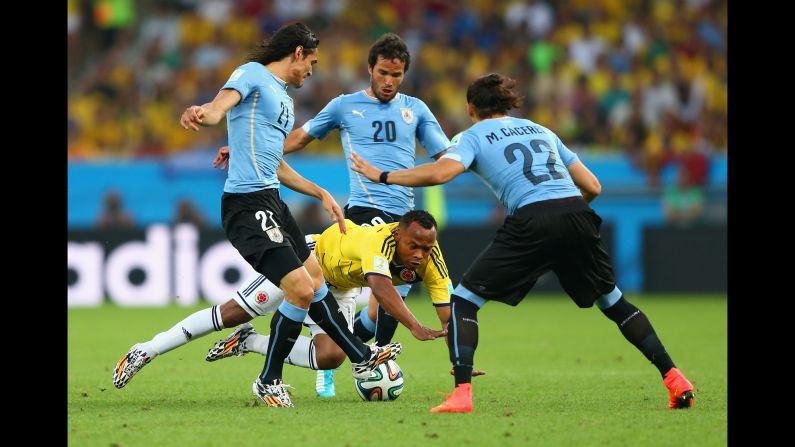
389,46
283,43
492,95
422,217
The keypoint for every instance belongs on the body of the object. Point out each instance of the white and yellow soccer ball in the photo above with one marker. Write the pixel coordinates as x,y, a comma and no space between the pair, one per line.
385,384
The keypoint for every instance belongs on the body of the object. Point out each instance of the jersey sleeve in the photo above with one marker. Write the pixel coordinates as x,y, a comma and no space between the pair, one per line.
241,80
566,155
463,149
437,278
376,253
429,132
326,120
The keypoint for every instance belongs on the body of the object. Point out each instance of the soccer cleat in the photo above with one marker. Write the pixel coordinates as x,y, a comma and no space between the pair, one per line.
129,365
458,402
231,345
679,388
378,355
274,395
324,384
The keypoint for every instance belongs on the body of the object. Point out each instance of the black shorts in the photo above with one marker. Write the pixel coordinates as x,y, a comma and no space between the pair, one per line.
367,217
559,235
259,221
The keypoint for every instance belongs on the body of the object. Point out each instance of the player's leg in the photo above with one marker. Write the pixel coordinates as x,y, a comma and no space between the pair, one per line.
585,272
282,266
364,321
259,225
637,329
262,297
385,324
505,271
326,312
193,326
256,297
329,355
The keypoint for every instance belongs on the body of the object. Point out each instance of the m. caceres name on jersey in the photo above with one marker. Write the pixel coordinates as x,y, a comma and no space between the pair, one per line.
510,131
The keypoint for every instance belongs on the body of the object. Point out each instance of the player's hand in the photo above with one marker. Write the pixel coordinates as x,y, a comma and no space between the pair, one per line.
475,372
192,117
358,164
333,209
222,157
424,333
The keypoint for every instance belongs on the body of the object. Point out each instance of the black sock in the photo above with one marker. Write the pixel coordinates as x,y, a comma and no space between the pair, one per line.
637,329
462,336
284,333
359,330
326,313
385,327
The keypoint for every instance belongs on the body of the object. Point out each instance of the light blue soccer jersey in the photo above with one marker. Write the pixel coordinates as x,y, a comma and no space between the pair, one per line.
257,127
384,135
520,161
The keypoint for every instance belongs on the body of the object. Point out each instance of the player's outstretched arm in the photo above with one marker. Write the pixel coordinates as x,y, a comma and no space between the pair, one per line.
585,180
295,181
297,140
428,174
389,298
211,113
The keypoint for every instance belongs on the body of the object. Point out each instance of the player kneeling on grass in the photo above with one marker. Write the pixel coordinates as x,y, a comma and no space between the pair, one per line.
550,226
362,256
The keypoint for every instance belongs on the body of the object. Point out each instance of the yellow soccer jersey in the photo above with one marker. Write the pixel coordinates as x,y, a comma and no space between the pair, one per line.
346,259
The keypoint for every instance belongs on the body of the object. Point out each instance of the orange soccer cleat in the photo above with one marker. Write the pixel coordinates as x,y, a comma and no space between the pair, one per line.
679,388
458,402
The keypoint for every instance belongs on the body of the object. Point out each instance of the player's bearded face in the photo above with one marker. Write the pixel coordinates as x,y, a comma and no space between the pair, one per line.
386,77
414,244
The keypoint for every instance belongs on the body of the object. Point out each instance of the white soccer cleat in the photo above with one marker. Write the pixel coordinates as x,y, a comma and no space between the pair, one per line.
378,355
274,395
231,345
129,365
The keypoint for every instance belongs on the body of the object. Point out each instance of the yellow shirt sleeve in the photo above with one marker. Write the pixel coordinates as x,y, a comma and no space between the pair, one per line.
378,249
437,279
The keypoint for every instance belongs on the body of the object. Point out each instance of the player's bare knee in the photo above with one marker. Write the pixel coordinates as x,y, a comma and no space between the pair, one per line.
300,296
330,357
232,314
315,272
298,288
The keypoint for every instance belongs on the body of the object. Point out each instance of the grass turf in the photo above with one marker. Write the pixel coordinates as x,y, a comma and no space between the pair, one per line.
556,375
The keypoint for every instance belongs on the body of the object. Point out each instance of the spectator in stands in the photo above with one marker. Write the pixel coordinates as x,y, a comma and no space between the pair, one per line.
683,202
113,215
187,213
138,62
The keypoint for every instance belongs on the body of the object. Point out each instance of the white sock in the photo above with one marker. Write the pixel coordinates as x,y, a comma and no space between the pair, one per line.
194,326
303,353
363,298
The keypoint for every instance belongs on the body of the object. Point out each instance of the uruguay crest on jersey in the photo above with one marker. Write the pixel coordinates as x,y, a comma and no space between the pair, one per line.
407,115
275,235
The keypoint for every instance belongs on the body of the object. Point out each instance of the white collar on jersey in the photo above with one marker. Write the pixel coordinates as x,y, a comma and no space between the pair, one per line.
278,79
364,92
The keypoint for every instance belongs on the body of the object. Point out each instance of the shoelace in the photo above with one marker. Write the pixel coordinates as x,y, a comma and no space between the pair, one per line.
282,391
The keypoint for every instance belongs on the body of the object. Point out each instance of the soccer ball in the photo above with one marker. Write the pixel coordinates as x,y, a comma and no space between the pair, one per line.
386,383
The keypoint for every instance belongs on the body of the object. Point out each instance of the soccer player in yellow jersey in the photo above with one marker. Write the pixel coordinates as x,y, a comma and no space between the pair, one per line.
380,257
398,253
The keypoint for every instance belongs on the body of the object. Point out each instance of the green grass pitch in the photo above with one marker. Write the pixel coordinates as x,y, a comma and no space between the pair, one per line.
556,375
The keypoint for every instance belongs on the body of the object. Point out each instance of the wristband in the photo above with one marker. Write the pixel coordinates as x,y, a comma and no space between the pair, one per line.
383,176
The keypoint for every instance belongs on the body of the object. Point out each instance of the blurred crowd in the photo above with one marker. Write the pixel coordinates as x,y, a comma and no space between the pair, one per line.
642,77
